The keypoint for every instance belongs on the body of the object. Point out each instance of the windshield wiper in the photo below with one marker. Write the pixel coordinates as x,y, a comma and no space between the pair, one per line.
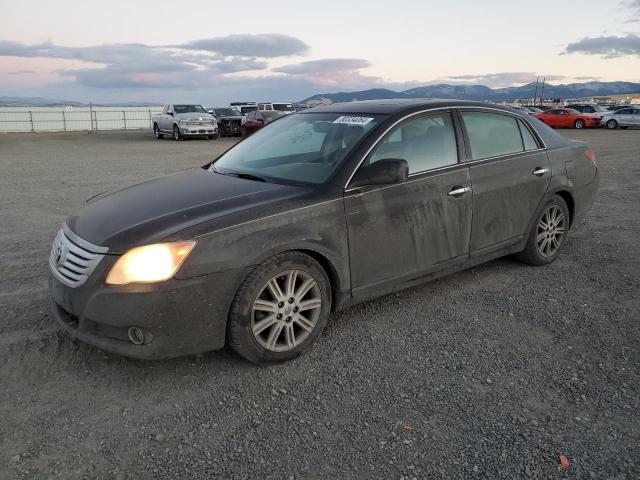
246,176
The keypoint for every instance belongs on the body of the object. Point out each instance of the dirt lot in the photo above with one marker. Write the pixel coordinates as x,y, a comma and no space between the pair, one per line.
490,373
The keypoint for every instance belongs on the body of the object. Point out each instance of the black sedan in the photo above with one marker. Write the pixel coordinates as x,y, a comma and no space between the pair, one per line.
317,211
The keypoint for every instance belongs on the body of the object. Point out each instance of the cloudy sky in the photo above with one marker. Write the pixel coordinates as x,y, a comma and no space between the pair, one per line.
214,52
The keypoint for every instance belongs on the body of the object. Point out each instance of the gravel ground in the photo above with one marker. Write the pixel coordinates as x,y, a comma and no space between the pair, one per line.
494,372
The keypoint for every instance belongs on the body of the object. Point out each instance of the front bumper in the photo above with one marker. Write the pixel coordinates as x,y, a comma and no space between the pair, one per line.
230,128
196,130
177,317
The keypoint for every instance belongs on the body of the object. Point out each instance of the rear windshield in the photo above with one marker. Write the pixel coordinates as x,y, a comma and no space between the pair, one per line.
284,107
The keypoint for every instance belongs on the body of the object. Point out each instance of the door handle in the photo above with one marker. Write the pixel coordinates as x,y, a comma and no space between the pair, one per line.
540,171
457,191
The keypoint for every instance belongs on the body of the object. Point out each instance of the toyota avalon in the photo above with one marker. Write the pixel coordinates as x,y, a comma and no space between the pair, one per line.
313,213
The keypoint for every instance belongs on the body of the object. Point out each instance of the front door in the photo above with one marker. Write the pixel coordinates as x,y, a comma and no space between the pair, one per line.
510,173
401,231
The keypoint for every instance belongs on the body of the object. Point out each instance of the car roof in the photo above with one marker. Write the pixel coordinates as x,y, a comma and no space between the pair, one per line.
394,106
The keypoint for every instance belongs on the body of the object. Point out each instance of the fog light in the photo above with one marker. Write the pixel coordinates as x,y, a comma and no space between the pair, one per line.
136,335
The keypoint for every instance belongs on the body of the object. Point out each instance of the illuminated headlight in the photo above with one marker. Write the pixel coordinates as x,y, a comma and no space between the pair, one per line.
151,263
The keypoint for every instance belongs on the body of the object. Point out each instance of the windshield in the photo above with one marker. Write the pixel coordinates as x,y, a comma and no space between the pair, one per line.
284,107
600,108
227,112
245,110
188,109
572,111
301,148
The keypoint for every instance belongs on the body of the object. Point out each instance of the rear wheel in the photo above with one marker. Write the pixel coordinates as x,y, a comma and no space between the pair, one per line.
176,133
548,235
579,123
280,309
156,131
612,124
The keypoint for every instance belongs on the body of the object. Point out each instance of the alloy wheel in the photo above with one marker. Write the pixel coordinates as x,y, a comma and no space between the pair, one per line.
286,310
551,230
612,124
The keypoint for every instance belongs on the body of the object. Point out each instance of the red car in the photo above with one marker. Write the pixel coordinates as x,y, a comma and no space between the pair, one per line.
568,118
257,119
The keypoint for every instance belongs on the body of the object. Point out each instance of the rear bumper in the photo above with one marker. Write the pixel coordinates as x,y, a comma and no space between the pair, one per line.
584,196
177,317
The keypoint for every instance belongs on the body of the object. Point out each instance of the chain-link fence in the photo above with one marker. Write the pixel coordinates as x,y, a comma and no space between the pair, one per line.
62,119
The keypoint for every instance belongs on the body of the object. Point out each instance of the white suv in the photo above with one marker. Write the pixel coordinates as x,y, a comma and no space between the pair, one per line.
281,107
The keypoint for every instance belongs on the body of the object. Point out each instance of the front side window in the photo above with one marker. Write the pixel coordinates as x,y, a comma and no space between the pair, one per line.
425,142
304,148
492,134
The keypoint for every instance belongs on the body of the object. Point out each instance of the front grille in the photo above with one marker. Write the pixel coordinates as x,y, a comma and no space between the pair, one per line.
73,259
195,122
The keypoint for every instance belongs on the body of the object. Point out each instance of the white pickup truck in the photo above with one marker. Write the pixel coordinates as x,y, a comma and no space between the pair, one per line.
182,121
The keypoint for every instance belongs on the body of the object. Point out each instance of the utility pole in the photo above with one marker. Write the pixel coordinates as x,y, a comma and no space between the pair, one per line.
544,79
535,95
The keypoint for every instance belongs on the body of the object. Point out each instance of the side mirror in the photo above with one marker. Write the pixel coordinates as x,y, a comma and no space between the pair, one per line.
381,172
170,113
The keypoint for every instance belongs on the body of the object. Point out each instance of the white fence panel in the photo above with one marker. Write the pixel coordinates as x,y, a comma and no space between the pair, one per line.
56,119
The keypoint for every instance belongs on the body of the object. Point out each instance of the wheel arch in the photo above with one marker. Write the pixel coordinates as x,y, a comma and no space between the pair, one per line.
568,199
330,270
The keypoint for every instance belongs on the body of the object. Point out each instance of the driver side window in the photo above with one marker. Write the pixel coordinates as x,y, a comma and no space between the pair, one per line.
425,142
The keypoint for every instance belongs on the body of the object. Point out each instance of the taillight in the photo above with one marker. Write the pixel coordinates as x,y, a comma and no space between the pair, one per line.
591,156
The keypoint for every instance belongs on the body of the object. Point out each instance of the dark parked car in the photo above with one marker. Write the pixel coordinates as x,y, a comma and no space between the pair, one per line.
318,211
258,119
229,121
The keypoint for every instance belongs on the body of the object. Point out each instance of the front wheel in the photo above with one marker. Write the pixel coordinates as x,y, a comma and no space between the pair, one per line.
579,123
177,136
612,124
280,309
548,234
243,132
156,131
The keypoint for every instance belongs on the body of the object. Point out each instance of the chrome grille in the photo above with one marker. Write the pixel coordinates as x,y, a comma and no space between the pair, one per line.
73,259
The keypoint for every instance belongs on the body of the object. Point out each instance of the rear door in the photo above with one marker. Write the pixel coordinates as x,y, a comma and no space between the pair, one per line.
402,230
635,117
510,173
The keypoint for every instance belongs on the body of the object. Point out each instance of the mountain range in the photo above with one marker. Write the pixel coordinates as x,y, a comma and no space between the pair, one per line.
52,102
482,92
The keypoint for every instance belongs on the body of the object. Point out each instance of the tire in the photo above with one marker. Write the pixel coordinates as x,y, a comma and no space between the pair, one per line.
284,328
177,136
579,124
156,131
243,132
612,124
544,243
216,135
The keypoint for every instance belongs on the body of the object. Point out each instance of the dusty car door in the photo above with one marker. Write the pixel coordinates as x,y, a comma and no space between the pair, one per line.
403,230
510,173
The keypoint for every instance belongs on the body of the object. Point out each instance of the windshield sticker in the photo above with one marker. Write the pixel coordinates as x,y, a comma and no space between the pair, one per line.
347,120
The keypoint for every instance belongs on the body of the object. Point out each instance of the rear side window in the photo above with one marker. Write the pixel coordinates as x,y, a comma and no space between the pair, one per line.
527,137
492,134
425,142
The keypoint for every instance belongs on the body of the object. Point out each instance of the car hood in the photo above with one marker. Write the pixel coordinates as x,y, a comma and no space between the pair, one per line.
149,212
193,116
